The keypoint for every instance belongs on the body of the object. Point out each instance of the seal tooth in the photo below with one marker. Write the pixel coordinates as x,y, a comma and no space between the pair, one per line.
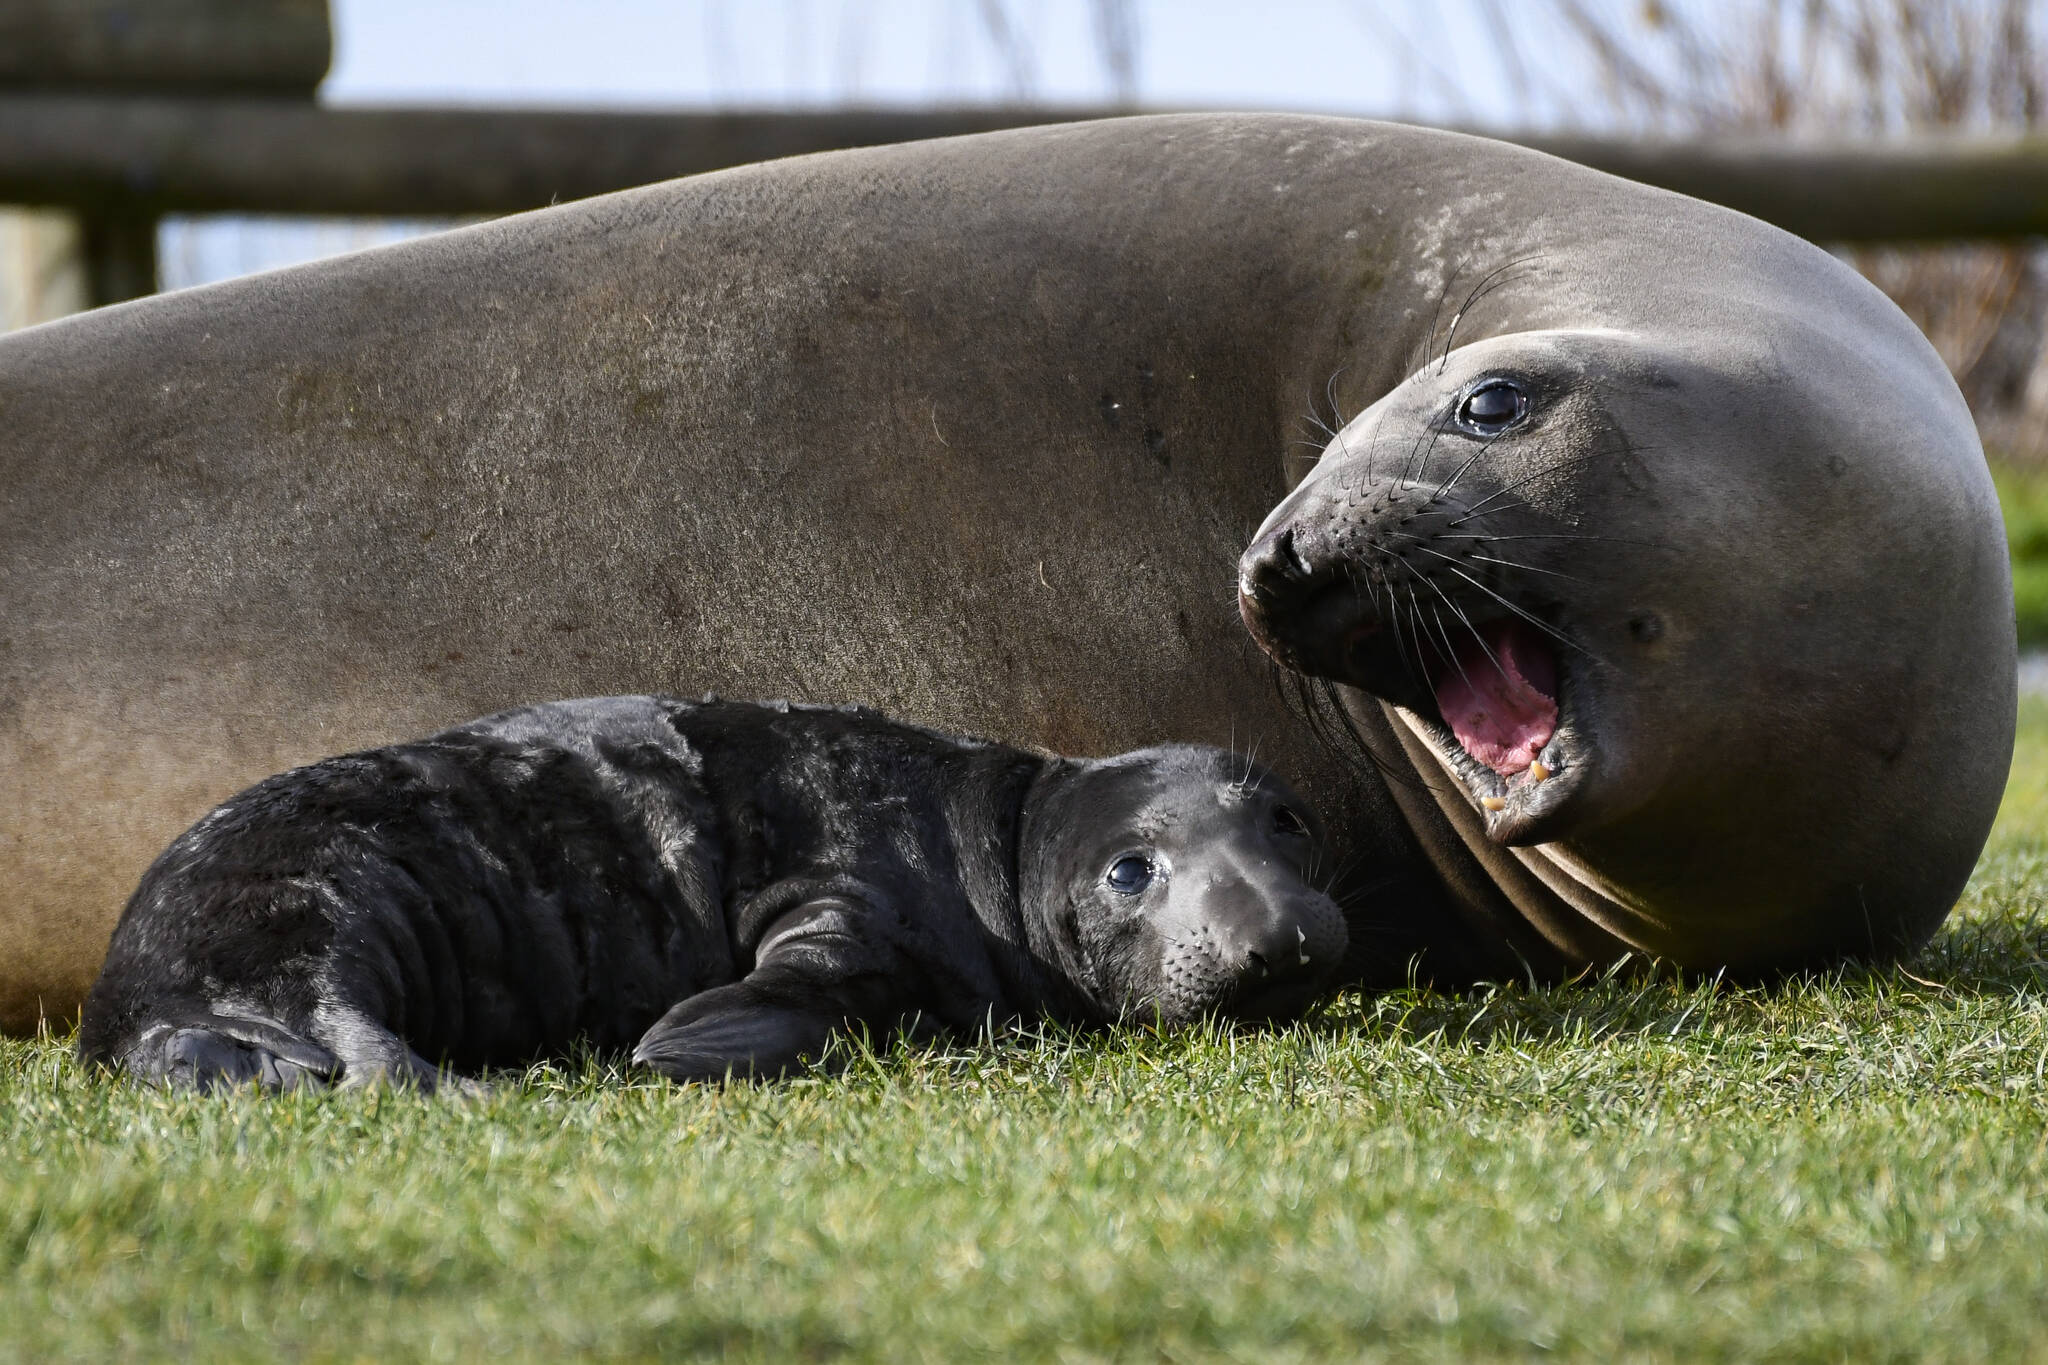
1492,802
1537,772
1301,944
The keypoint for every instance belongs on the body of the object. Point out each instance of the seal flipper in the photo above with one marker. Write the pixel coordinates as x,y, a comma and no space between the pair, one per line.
732,1032
816,977
206,1050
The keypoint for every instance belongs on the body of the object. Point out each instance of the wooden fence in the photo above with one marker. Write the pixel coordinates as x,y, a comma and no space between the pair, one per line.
120,111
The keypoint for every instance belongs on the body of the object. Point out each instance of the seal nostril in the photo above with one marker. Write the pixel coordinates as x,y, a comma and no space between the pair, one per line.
1274,565
1290,555
1279,950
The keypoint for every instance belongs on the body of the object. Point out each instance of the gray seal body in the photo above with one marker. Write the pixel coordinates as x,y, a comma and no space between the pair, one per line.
974,431
722,887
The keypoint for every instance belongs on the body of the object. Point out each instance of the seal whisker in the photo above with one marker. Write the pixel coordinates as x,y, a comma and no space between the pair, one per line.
1533,620
1371,438
1418,665
1541,473
1517,504
1372,443
1447,485
1354,896
1393,617
1330,396
1314,700
1528,568
1392,769
1246,785
1324,880
1456,662
1479,291
1482,535
1424,447
1422,544
1476,508
1427,345
1415,625
1477,636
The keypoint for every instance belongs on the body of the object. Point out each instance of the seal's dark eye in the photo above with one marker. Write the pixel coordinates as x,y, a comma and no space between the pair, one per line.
1287,823
1129,875
1493,407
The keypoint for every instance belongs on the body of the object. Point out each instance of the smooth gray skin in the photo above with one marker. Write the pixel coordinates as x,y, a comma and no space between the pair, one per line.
973,431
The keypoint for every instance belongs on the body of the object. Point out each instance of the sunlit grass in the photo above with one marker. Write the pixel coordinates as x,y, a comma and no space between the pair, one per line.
2023,497
1853,1167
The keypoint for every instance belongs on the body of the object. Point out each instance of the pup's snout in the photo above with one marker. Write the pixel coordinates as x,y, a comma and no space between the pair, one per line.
1261,953
1275,942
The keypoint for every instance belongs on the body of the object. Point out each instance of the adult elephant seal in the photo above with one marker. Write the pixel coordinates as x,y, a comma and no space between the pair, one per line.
974,431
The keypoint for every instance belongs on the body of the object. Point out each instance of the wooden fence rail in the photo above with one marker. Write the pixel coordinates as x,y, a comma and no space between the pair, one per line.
124,110
154,155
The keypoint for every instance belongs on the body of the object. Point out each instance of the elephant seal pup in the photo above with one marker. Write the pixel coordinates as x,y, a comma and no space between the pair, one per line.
721,886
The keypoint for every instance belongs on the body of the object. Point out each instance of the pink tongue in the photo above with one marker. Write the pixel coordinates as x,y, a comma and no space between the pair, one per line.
1502,707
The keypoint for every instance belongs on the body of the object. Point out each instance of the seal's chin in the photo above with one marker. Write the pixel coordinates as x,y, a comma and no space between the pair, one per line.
1274,1004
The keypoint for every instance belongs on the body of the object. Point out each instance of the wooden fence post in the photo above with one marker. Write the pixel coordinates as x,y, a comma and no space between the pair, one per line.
42,268
161,48
119,246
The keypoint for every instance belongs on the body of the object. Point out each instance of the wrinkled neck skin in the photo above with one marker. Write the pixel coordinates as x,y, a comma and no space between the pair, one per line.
1060,979
991,824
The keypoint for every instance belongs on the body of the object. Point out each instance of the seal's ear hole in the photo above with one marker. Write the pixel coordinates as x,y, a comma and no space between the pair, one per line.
1129,874
1288,824
1492,407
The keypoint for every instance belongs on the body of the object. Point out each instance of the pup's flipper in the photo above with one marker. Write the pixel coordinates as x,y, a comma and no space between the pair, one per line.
732,1032
203,1050
821,968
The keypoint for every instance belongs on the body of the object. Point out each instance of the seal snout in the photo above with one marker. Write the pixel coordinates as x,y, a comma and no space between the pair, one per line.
1255,941
1296,599
1272,566
1270,943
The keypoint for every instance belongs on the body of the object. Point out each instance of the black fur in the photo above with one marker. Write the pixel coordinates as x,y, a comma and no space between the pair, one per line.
721,886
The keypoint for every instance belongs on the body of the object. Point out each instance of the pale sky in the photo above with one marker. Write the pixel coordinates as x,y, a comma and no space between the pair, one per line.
1401,58
1350,56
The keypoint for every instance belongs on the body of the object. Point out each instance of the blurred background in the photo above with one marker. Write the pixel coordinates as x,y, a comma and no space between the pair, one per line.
1877,70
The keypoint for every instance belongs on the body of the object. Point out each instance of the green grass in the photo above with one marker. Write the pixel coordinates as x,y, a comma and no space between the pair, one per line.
2023,497
1851,1168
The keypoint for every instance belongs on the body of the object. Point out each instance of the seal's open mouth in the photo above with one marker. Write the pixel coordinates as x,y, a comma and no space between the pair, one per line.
1495,709
1487,686
1498,695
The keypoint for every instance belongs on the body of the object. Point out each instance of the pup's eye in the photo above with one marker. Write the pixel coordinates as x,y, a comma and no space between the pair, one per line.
1493,407
1288,823
1129,875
